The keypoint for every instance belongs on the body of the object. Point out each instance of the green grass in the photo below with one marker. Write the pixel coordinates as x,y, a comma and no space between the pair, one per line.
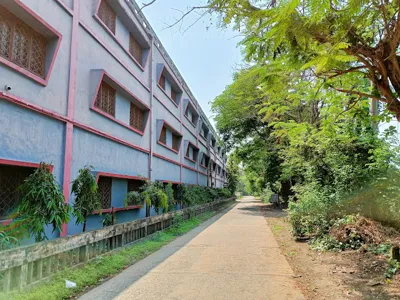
105,266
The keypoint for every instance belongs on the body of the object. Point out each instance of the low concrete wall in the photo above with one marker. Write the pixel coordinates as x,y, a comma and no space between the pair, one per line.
24,266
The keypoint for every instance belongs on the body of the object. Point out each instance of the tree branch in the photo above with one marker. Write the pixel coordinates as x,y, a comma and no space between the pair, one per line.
147,4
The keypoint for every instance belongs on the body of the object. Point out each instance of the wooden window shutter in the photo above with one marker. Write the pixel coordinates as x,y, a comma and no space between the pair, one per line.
105,99
162,82
135,49
136,117
173,95
188,152
105,191
175,142
107,15
163,135
21,44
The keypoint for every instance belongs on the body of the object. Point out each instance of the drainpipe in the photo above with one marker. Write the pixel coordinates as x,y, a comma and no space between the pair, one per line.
151,110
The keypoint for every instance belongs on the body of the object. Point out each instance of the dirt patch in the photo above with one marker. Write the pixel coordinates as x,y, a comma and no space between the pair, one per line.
331,275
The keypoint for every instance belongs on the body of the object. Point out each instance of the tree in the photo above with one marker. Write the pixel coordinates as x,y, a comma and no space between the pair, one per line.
42,203
87,199
341,42
233,173
153,195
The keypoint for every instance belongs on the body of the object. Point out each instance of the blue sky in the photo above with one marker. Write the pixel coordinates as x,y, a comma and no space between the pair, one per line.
205,55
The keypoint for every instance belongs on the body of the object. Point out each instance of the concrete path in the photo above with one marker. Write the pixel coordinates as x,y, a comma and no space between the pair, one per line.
231,256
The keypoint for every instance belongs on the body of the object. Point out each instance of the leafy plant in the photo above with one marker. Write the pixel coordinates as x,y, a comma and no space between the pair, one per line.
170,194
87,199
393,266
154,196
7,241
109,220
133,198
42,203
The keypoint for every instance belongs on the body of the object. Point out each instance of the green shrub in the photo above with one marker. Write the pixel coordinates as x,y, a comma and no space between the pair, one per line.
133,198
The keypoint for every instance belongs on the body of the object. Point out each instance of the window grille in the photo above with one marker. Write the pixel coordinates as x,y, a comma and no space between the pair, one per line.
135,49
11,177
162,82
163,135
107,15
21,44
105,99
105,187
175,142
136,119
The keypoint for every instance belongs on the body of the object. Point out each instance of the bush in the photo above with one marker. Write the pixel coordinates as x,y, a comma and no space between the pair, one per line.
266,195
224,193
133,198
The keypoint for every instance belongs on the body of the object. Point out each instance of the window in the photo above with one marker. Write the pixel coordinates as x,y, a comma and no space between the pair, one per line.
107,15
204,161
136,119
173,95
134,185
161,82
11,177
105,187
175,142
105,99
135,49
21,44
214,166
163,135
191,152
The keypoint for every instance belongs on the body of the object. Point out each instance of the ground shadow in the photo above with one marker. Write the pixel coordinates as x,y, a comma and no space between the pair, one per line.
116,285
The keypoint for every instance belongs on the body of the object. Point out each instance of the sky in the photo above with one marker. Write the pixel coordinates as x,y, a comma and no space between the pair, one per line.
205,54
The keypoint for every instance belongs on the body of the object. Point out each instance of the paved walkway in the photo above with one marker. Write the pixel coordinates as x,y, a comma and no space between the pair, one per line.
231,256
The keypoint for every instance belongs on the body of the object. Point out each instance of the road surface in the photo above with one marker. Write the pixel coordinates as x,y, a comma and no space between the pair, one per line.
231,256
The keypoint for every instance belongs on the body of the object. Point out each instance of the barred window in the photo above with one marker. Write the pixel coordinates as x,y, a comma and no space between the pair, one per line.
163,135
21,44
11,177
105,187
173,95
134,185
161,82
175,142
107,15
136,119
105,99
135,49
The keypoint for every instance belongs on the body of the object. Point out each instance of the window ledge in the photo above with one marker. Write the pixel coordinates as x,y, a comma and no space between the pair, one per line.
112,118
168,96
188,158
190,121
96,17
169,148
117,209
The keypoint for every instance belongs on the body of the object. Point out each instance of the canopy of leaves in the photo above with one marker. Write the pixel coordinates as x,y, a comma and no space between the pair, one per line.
341,42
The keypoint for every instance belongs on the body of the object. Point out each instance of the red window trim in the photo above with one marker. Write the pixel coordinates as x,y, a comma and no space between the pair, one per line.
100,21
111,117
166,146
168,96
42,81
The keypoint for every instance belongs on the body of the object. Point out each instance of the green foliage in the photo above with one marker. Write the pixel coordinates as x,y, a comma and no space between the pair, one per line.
393,266
108,220
154,196
133,198
42,203
87,199
266,195
7,241
233,173
170,194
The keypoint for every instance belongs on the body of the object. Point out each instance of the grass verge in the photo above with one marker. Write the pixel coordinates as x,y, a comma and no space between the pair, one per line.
105,266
